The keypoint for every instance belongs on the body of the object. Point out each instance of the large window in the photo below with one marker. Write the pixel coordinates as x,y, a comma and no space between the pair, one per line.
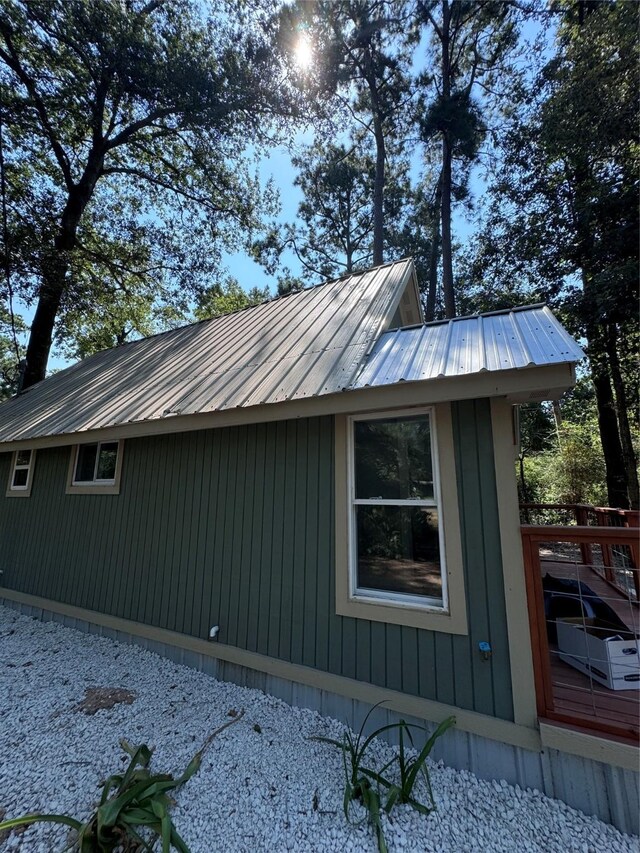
397,549
21,474
398,545
96,467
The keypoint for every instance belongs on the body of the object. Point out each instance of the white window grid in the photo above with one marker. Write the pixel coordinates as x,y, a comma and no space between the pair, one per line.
386,596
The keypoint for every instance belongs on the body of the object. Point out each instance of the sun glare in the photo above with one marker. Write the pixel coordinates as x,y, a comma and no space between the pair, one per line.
303,52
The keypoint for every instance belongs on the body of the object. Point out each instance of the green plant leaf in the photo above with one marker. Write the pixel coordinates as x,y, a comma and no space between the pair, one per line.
177,841
28,819
192,767
419,762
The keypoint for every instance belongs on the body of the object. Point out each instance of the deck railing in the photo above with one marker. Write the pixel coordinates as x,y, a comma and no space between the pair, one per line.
582,587
613,562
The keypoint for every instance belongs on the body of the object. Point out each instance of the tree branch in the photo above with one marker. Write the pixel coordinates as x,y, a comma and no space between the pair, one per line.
12,60
136,126
156,181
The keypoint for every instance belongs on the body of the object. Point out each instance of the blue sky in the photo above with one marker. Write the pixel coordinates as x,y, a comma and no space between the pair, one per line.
277,165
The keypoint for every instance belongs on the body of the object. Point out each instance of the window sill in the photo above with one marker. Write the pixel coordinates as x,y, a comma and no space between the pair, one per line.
18,493
394,613
89,489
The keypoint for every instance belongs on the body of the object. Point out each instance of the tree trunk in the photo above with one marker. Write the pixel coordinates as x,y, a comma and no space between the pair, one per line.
55,269
435,255
447,264
607,423
626,440
378,193
54,275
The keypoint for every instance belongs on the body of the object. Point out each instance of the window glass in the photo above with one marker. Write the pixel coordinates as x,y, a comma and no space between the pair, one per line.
398,550
23,457
97,464
393,459
20,478
107,461
396,536
85,466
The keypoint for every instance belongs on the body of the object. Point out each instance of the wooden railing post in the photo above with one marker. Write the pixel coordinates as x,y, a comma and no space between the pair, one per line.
537,625
582,520
602,517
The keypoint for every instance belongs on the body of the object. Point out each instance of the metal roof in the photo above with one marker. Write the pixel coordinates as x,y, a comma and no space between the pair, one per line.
308,343
502,340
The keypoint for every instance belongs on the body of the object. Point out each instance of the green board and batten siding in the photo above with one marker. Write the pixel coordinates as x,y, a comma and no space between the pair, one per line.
234,527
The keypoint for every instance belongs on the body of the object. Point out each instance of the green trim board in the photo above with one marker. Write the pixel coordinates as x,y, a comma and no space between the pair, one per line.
550,736
234,527
423,709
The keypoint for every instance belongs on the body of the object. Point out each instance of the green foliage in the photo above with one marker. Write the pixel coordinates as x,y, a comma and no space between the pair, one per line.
9,356
563,222
380,790
572,472
124,128
228,297
133,812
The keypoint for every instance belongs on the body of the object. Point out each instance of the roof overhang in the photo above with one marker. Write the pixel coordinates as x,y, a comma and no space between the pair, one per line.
518,385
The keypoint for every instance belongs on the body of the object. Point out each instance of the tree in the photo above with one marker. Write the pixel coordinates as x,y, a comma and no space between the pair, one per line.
536,431
10,353
123,122
468,41
228,297
564,214
359,59
335,230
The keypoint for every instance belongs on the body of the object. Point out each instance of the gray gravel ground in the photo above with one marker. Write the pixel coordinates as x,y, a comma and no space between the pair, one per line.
256,789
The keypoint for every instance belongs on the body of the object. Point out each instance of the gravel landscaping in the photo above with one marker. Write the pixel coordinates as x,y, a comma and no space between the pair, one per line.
67,698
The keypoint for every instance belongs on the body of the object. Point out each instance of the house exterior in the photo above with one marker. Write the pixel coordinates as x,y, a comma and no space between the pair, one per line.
324,483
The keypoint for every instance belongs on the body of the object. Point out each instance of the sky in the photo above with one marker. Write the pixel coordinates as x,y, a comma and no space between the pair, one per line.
277,166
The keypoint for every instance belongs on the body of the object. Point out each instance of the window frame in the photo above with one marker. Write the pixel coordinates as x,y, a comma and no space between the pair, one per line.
389,607
376,596
94,486
21,491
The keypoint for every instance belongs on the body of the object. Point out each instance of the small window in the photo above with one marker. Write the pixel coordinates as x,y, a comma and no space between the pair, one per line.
21,473
96,467
397,550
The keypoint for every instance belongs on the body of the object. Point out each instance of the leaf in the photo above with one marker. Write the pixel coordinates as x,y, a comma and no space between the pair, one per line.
426,749
28,819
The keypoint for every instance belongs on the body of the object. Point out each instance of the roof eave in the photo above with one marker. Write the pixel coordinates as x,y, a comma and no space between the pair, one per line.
518,385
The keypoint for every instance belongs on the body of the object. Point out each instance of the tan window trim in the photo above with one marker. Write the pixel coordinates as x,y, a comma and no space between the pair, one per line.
21,491
95,488
453,620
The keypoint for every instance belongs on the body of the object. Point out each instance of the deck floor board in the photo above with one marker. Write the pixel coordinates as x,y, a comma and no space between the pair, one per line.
574,692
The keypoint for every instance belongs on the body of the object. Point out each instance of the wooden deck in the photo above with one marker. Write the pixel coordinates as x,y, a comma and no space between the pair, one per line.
565,694
574,692
570,570
577,695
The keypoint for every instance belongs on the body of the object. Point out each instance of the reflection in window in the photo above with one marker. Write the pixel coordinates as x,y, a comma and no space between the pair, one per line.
20,476
399,550
395,521
96,463
393,458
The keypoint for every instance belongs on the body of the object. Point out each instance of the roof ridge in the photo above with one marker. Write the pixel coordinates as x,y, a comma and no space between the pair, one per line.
277,298
516,308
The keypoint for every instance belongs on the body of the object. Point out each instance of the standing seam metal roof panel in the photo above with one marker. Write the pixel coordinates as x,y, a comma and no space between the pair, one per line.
308,343
518,339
